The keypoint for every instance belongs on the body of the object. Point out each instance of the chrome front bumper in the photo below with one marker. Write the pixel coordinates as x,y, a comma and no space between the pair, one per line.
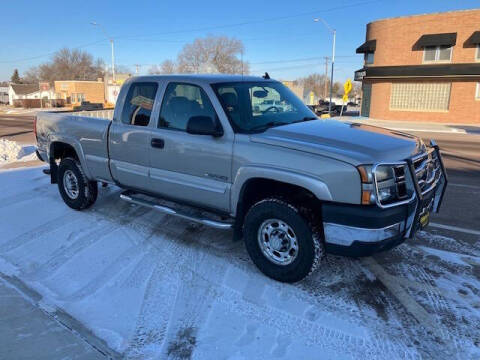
363,230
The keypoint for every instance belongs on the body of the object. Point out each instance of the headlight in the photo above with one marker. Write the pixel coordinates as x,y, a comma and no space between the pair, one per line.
388,182
384,172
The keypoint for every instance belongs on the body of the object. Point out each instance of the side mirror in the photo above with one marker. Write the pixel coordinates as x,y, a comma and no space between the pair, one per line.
203,125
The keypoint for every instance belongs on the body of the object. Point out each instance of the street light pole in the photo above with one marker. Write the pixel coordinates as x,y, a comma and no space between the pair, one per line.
94,23
334,33
113,61
331,75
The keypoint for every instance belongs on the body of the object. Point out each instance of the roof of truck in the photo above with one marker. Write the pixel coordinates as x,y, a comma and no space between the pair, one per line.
208,78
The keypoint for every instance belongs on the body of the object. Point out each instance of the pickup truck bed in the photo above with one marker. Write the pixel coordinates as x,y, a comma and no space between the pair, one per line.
86,131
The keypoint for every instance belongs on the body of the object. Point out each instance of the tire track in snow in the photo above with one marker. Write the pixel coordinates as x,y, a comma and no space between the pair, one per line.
413,307
445,312
95,284
312,333
101,228
152,325
39,191
64,254
38,231
196,293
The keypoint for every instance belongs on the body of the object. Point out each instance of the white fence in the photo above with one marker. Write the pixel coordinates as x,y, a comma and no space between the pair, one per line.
101,114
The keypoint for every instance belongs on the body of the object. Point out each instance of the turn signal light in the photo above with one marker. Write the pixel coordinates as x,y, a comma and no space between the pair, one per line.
366,195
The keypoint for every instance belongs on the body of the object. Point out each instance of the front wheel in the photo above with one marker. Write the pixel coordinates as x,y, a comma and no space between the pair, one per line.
283,243
76,190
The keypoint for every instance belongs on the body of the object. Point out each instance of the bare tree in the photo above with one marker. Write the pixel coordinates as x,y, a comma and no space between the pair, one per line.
212,54
31,76
166,67
67,64
337,88
316,83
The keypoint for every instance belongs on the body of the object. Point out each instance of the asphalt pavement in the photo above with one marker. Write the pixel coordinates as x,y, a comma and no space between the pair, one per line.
17,128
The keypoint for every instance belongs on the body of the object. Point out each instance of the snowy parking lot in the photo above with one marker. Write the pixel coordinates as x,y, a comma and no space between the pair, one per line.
154,286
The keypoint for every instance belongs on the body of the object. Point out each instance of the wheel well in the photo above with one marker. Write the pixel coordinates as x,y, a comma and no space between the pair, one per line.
257,189
58,151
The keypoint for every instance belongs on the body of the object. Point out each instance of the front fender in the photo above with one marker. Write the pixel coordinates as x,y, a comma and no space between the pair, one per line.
75,144
313,184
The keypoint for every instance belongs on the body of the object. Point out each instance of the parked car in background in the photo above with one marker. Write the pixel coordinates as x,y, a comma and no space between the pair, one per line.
270,105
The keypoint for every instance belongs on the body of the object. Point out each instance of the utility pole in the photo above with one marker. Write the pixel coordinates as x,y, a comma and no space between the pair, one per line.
113,61
331,76
326,78
94,23
334,33
137,68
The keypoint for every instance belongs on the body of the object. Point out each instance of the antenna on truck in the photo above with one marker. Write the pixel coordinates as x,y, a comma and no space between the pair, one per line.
266,76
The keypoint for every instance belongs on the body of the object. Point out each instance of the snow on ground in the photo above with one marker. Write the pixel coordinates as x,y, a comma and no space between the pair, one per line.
155,286
10,151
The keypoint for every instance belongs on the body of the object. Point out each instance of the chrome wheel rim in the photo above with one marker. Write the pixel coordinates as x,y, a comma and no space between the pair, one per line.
278,242
70,184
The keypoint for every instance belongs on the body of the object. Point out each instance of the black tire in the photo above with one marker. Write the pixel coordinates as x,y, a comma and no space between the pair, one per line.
86,190
310,245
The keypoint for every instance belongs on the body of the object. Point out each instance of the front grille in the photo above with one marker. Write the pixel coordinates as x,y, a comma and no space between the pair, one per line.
427,170
400,181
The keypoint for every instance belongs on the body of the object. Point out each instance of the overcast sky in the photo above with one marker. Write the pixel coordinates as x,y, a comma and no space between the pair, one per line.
147,32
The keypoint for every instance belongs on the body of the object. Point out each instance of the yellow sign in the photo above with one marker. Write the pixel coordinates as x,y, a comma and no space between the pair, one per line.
345,98
312,97
347,86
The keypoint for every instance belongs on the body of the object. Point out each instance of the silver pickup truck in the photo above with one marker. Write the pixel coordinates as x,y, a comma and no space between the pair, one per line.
293,186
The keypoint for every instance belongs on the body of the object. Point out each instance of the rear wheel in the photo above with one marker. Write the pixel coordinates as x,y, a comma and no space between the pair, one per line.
282,242
76,190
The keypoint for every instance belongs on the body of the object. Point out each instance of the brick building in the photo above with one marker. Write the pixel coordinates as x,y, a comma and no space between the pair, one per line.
76,91
423,68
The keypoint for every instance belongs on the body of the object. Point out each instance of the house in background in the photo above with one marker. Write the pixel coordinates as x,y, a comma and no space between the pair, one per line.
423,68
4,95
29,95
74,92
22,91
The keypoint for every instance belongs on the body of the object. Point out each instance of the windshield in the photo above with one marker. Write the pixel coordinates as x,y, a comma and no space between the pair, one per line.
256,106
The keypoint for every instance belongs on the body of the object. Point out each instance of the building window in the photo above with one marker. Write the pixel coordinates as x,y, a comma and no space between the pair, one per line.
420,96
369,57
477,92
477,56
441,53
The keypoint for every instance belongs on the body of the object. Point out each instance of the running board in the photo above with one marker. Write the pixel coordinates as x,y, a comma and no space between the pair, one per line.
195,215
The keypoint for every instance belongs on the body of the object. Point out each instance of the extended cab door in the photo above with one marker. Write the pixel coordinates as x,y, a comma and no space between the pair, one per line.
130,135
192,168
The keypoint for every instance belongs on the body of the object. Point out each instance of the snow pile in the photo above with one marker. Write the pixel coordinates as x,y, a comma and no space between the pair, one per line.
10,151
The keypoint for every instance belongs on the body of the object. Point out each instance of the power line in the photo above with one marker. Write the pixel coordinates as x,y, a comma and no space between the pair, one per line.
210,28
206,28
50,53
300,59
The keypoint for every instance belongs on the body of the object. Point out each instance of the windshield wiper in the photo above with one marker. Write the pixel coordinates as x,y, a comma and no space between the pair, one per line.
269,125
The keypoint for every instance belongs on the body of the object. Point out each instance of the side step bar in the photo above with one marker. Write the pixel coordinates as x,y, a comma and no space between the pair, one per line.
128,196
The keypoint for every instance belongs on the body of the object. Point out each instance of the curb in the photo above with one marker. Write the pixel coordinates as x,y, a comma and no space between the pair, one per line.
63,318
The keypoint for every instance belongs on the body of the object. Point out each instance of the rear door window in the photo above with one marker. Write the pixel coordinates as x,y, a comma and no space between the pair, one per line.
181,102
139,104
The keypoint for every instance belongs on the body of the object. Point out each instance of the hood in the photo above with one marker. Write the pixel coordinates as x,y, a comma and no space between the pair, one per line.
354,143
